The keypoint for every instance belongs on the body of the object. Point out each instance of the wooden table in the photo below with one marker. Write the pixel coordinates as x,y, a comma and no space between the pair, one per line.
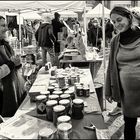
92,111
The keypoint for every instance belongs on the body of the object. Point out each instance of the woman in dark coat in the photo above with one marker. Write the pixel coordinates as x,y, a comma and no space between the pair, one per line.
11,86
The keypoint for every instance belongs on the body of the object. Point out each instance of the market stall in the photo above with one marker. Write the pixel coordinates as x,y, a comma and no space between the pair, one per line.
31,122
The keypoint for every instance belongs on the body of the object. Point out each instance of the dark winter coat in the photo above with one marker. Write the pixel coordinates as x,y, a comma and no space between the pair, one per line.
12,90
112,85
57,27
44,35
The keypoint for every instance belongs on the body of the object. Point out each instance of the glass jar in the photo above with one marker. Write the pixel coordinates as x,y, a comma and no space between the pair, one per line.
66,103
64,130
86,92
61,81
65,96
46,93
78,109
71,92
51,89
49,109
55,85
53,97
58,92
73,79
79,91
41,104
58,110
45,134
63,119
53,71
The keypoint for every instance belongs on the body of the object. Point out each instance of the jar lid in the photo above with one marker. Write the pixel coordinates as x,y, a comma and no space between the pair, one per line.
53,96
52,81
85,88
57,92
65,95
54,84
79,87
64,126
77,84
64,73
46,132
61,76
45,92
74,76
53,77
58,108
57,89
69,91
50,87
40,97
51,102
63,118
78,101
64,101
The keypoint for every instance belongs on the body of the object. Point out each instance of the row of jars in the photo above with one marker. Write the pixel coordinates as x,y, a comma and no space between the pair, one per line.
64,130
57,107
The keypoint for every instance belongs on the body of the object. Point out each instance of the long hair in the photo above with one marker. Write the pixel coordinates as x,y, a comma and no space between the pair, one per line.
125,12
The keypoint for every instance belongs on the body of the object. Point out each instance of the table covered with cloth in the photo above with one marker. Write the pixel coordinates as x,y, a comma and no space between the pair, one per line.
92,111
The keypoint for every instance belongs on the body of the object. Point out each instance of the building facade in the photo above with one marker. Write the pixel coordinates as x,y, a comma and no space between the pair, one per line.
111,3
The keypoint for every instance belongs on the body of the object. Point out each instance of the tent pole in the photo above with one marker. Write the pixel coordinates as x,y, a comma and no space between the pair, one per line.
85,28
103,45
20,43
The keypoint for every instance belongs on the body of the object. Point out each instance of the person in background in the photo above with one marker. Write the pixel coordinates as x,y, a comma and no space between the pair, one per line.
46,39
12,90
29,31
69,22
95,34
123,72
57,27
90,23
109,28
136,17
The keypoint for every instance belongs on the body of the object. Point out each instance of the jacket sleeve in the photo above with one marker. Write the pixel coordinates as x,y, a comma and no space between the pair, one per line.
108,91
50,32
5,70
36,35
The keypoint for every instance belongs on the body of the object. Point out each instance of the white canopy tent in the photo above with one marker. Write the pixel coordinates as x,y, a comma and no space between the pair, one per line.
19,6
97,12
68,13
29,15
50,5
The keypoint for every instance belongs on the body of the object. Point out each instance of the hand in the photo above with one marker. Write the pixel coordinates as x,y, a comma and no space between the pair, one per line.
109,99
16,60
